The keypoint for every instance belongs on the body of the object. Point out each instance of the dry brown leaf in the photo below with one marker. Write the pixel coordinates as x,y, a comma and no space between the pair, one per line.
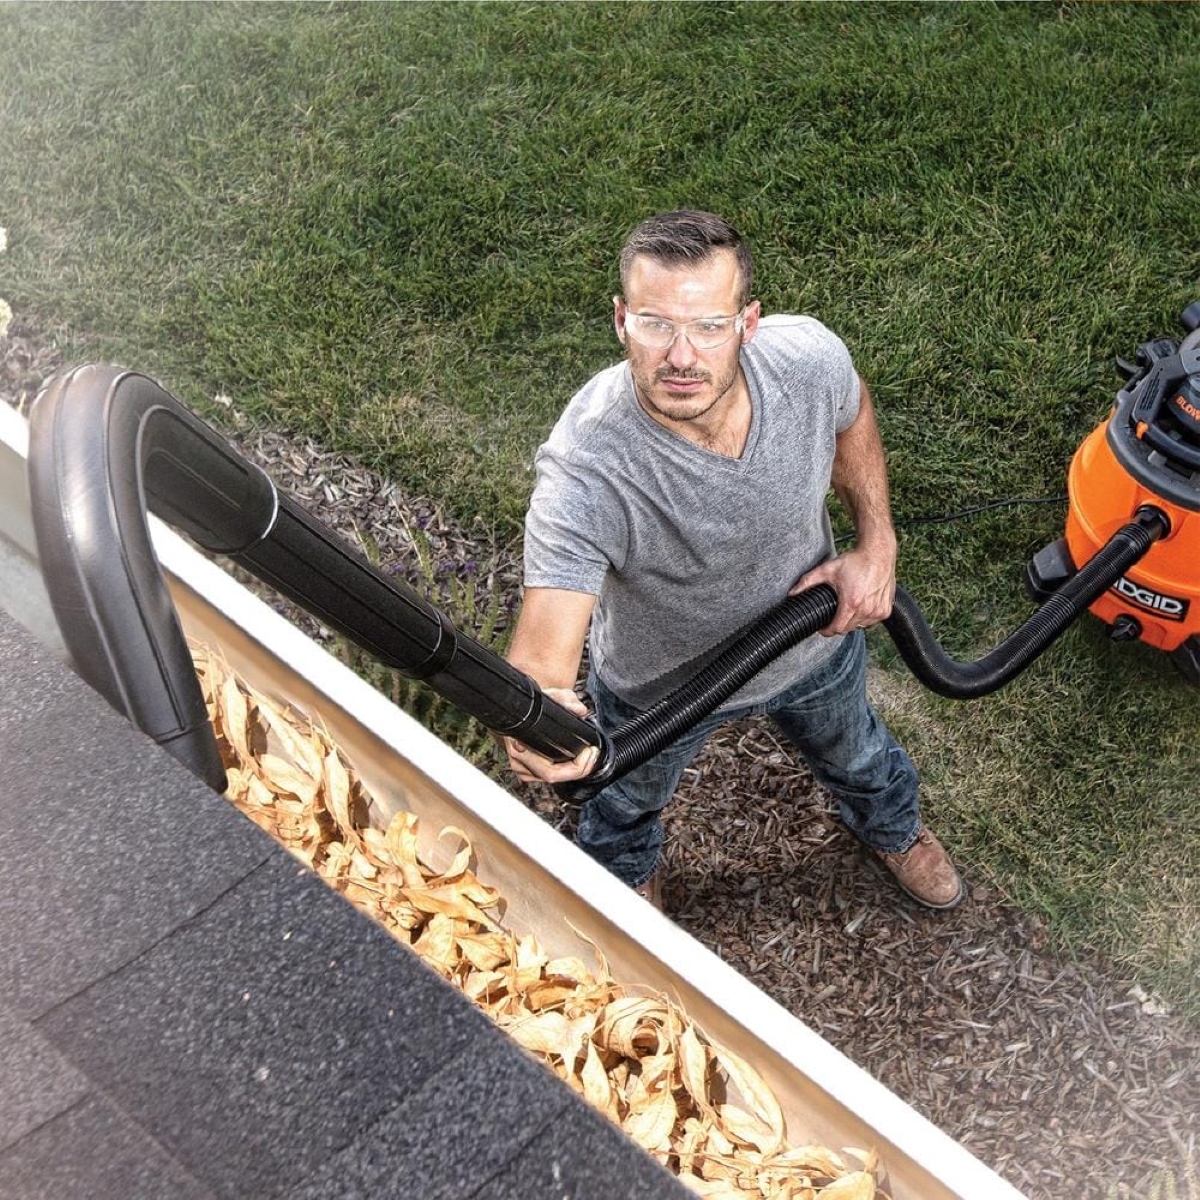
258,793
718,1145
401,841
635,1023
362,894
744,1127
593,999
362,866
659,1070
597,1088
237,782
546,994
375,842
692,1136
719,1167
234,717
337,790
338,857
529,953
294,744
527,964
486,951
449,901
478,985
571,969
650,1124
858,1185
693,1065
285,778
750,1085
470,887
436,944
404,916
578,1036
543,1034
813,1160
462,858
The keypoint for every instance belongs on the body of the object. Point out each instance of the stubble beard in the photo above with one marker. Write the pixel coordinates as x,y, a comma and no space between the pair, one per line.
686,408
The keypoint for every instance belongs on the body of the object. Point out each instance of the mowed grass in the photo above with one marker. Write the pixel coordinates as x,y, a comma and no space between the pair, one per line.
395,227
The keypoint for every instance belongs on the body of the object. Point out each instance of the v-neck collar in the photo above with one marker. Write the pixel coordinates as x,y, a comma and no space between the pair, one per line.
677,439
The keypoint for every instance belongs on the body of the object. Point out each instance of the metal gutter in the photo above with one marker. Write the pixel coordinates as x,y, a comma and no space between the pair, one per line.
551,888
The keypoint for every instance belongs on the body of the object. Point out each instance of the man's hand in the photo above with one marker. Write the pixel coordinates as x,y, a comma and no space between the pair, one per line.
865,584
530,767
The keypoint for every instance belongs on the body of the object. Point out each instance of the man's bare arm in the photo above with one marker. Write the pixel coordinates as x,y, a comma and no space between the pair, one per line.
865,577
548,646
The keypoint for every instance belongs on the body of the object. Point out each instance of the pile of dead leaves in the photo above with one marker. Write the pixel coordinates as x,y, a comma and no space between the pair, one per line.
699,1109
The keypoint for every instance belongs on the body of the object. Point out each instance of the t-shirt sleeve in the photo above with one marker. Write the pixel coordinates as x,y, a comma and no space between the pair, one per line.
844,383
574,529
813,366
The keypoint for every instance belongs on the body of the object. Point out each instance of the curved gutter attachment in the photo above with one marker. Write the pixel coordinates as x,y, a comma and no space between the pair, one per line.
105,445
99,438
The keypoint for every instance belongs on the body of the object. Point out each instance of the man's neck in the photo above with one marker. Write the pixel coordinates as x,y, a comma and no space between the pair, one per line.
724,429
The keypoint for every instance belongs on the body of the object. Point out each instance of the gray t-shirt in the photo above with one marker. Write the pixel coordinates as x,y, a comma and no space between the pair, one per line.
682,546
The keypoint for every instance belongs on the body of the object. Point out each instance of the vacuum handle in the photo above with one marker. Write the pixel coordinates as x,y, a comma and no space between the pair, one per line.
305,561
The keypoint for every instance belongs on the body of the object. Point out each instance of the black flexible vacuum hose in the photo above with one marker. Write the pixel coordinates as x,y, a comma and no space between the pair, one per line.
639,740
803,615
968,680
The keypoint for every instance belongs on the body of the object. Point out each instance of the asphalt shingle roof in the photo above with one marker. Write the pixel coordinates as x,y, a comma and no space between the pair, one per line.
187,1011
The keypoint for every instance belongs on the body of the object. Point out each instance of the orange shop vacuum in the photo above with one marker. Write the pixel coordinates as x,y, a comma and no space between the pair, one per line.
1146,453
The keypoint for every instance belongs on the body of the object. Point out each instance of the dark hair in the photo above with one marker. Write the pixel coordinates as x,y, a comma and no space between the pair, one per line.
687,237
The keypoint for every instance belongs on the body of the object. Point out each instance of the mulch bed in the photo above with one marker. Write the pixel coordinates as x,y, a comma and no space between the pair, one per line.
1051,1070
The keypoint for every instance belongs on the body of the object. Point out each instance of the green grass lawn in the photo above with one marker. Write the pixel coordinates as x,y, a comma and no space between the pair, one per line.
395,227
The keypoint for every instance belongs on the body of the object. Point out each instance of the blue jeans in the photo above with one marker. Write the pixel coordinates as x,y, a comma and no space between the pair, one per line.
826,716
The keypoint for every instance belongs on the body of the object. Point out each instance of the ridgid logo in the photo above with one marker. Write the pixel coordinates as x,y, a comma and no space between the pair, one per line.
1171,608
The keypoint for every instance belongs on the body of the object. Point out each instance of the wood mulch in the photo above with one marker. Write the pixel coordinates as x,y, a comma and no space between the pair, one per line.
1057,1072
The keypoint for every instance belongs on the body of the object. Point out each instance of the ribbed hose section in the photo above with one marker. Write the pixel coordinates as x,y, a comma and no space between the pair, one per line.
801,616
758,644
969,680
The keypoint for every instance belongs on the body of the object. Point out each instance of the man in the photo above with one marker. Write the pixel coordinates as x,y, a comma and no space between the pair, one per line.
683,493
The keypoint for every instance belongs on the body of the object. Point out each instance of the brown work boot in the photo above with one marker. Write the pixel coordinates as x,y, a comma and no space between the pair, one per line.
651,890
926,873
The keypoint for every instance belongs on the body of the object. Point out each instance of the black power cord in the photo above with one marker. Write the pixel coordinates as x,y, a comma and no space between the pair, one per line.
1011,502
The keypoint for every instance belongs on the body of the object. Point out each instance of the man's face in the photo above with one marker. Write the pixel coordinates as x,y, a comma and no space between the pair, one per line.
680,382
